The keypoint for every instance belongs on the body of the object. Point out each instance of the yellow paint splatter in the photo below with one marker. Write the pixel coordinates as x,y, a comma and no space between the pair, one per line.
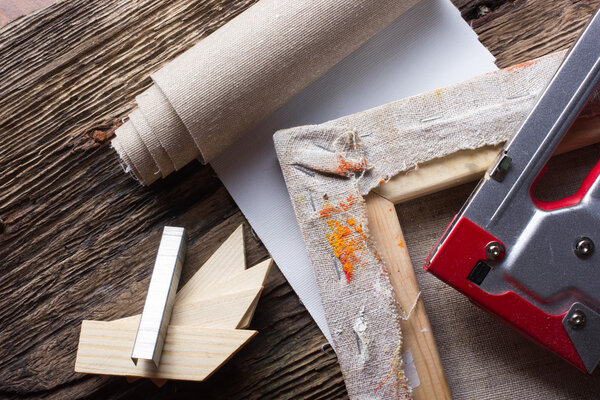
438,93
346,246
347,238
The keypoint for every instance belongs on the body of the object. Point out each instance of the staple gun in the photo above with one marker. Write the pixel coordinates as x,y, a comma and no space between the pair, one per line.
536,264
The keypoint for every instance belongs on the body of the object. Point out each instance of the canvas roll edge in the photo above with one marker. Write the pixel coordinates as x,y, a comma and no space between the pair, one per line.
209,96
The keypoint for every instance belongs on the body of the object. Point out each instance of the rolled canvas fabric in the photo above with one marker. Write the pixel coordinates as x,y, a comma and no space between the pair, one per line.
328,168
206,98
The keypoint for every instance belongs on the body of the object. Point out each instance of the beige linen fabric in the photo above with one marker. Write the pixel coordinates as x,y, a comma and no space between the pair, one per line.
484,359
210,95
329,166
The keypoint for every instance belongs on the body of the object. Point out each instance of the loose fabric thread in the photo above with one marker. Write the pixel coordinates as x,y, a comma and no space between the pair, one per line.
485,110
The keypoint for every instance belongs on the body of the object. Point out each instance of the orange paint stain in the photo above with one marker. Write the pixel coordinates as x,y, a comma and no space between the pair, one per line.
382,383
521,66
358,229
345,166
346,247
401,243
326,212
347,238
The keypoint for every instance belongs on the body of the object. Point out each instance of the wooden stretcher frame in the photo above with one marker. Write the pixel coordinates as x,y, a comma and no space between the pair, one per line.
434,176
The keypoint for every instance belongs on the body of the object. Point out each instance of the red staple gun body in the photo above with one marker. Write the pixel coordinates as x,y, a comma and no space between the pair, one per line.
532,263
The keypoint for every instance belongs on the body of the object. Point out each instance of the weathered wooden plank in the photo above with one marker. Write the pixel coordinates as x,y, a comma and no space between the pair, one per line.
519,30
77,236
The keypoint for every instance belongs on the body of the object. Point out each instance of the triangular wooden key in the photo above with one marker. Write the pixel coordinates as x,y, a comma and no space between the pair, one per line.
207,325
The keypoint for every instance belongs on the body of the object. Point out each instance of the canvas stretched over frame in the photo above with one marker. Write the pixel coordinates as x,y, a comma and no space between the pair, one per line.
331,168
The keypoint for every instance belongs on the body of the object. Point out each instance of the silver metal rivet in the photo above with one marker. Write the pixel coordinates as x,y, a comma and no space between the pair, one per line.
494,251
577,319
584,247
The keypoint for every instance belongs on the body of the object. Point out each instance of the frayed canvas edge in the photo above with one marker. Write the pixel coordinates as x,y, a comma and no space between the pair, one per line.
125,161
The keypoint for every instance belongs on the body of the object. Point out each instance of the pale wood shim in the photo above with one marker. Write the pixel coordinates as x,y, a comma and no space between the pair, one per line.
53,145
189,353
226,311
206,326
417,335
469,165
226,262
238,295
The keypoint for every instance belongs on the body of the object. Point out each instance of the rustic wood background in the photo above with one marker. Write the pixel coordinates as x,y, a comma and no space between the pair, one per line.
77,234
13,9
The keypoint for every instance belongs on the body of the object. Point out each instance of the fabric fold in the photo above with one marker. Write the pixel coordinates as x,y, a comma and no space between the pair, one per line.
157,152
209,96
135,154
164,123
328,168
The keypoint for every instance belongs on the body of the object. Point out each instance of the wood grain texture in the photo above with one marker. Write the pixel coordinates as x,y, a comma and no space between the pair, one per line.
189,353
439,174
228,261
77,235
417,335
226,311
202,330
519,30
